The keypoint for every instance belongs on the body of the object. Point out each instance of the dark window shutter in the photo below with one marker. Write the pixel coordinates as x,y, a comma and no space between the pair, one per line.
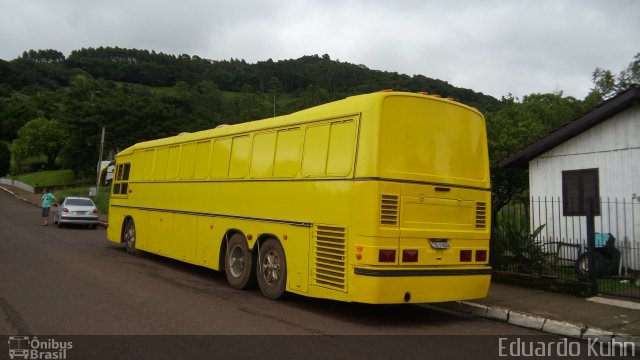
578,186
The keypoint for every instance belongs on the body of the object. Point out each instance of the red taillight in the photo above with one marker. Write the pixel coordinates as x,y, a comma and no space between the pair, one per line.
481,255
387,256
409,255
465,255
65,210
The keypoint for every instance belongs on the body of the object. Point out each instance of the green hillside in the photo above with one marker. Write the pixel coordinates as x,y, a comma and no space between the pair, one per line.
139,95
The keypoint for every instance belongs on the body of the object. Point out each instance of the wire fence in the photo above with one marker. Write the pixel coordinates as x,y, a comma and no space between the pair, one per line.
536,239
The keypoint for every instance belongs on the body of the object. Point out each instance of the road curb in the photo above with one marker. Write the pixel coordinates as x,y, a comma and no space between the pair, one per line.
18,196
7,190
551,326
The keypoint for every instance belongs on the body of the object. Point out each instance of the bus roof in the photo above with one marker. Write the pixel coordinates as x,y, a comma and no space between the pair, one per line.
348,106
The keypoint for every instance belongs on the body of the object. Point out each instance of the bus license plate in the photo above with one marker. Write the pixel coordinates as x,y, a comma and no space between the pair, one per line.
439,243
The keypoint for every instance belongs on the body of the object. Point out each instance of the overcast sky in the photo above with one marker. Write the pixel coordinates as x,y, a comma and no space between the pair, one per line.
491,46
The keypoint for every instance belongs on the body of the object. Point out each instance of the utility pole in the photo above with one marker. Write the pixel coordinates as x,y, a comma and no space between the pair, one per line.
99,162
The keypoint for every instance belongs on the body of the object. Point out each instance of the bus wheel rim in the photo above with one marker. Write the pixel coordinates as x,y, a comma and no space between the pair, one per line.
130,236
271,267
236,261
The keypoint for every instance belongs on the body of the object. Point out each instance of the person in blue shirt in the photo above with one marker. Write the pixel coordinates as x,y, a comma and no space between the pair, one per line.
47,200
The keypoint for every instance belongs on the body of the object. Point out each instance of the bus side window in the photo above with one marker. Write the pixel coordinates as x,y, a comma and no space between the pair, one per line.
125,179
341,148
221,156
262,155
203,160
316,145
187,161
173,164
121,184
149,160
160,168
118,178
287,157
239,163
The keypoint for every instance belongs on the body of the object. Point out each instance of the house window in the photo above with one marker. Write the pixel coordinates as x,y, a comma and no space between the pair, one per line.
578,186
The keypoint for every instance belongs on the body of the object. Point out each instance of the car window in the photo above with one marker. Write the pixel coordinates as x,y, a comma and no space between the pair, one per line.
79,202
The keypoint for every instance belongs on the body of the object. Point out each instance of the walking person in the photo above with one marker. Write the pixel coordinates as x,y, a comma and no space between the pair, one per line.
47,200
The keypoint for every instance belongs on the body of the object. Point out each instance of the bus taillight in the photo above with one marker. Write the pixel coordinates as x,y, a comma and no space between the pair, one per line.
481,255
465,255
387,256
409,255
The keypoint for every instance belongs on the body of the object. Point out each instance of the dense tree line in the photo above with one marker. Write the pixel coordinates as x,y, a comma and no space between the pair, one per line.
139,95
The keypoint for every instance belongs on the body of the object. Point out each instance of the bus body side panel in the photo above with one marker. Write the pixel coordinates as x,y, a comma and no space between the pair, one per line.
114,229
117,216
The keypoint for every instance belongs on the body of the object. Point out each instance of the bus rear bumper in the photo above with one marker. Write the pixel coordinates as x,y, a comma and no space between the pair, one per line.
395,286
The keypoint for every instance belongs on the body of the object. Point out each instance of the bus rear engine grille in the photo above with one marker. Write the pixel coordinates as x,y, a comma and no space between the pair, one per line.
389,210
481,215
329,257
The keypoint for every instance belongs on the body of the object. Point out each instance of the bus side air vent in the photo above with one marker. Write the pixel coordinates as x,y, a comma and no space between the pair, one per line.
329,257
389,210
481,215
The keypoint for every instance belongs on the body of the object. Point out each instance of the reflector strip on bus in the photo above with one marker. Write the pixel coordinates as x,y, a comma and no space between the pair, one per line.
424,272
227,216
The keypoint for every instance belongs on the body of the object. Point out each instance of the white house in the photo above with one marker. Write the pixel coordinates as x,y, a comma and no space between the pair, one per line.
599,153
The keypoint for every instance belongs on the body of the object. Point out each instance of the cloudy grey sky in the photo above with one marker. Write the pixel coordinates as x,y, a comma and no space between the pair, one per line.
492,46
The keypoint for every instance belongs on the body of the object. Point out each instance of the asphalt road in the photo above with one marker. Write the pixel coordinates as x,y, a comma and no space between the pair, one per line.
72,281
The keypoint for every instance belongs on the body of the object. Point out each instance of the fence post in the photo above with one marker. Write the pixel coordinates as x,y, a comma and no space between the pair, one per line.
591,245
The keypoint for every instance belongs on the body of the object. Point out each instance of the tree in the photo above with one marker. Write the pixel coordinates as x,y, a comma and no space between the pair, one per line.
516,125
5,158
631,75
606,85
509,129
275,87
42,136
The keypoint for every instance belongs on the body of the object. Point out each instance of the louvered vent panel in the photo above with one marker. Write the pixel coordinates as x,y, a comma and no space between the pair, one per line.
481,215
329,257
389,210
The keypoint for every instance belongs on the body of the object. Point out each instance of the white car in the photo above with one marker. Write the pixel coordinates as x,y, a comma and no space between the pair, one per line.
76,210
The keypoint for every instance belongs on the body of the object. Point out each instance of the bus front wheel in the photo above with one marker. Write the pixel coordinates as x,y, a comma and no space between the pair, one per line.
238,264
272,269
129,236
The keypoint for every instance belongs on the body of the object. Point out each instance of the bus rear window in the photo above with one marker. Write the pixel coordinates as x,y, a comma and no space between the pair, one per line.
425,141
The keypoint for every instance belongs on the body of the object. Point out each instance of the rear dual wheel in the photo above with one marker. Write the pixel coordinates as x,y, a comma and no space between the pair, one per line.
270,266
238,264
272,269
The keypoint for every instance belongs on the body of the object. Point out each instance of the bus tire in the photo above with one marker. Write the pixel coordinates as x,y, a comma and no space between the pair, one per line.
272,269
129,236
238,262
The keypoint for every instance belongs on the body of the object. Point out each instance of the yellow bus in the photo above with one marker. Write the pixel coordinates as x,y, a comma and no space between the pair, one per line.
377,198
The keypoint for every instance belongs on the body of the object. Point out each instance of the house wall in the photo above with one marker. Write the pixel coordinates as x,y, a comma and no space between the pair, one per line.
613,147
